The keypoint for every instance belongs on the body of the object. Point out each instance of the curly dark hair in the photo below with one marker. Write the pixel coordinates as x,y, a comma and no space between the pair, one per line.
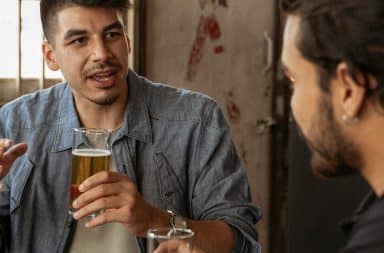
49,9
335,31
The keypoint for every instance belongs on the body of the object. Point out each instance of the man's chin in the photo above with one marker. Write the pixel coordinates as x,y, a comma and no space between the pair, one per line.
105,101
328,169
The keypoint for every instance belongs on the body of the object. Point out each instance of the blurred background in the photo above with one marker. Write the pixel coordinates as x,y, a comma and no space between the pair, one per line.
229,50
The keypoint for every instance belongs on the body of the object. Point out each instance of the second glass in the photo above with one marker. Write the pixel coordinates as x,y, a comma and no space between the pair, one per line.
90,154
158,235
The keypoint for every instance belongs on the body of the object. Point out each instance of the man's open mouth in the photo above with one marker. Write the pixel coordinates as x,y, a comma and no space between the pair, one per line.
103,76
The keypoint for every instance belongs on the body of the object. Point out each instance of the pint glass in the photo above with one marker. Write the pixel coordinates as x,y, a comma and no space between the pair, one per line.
90,154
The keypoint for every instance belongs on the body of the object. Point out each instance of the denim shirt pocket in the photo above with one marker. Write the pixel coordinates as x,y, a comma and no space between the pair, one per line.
19,180
171,190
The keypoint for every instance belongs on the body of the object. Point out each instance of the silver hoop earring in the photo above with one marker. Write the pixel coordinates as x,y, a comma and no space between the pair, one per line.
348,119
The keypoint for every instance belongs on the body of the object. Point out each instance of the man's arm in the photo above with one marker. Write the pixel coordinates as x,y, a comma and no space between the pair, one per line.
8,154
219,199
212,236
138,216
220,191
222,216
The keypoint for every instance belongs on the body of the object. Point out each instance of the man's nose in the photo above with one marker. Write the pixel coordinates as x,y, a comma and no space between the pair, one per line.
100,50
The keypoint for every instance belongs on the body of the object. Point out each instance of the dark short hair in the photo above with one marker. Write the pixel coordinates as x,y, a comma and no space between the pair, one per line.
50,8
335,31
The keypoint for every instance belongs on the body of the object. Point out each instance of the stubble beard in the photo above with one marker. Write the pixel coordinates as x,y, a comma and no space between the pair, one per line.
105,101
333,153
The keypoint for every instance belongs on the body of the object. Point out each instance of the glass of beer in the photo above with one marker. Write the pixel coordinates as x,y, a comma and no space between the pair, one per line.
158,235
90,154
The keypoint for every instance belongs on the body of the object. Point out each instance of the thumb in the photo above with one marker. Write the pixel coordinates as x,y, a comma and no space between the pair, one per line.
14,152
9,156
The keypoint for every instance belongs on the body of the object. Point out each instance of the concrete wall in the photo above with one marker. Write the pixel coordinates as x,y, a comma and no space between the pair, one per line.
224,59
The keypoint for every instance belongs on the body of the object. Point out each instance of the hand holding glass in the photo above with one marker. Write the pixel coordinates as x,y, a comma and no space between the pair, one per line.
90,155
158,235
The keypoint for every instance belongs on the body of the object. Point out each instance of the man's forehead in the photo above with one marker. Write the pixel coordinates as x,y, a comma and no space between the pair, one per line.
289,40
77,16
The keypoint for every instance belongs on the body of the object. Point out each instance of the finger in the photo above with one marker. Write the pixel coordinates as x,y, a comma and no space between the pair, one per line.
104,218
108,216
97,192
112,202
8,156
101,178
4,145
13,153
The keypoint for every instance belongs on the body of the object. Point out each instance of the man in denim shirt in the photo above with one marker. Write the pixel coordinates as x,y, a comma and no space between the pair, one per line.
171,148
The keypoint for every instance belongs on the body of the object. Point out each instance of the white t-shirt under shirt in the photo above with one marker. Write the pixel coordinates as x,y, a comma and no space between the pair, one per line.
111,237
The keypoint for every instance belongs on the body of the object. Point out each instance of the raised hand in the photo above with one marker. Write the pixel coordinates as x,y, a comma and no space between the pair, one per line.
8,154
117,194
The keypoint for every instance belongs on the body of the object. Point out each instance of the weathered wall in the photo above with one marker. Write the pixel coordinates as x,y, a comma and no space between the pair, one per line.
227,62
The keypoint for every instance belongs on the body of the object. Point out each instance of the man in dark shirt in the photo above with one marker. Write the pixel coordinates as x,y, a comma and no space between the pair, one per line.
333,54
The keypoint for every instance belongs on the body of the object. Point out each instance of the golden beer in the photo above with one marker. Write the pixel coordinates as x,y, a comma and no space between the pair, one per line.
85,163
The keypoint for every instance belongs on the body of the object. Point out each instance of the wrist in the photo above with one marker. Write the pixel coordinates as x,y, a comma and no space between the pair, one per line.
177,221
160,218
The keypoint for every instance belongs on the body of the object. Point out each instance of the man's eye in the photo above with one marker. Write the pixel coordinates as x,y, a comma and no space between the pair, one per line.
291,86
290,83
78,41
112,35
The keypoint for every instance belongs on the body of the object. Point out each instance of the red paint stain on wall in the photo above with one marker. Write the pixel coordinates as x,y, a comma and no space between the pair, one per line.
233,110
208,28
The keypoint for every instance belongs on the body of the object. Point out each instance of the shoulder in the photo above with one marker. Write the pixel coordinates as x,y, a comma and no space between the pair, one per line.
166,101
367,235
35,108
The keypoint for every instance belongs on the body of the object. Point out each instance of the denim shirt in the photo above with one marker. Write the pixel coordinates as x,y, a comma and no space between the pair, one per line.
174,144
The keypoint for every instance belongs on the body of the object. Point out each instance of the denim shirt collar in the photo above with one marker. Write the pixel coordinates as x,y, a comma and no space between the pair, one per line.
136,122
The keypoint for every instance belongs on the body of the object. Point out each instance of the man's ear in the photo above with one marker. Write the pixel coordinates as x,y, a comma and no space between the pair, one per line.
49,56
351,92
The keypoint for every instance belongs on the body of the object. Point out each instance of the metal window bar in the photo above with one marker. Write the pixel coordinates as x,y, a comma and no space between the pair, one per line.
42,76
18,77
19,54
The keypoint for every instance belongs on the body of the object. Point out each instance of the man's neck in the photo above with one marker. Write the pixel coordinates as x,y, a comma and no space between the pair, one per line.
107,117
375,177
110,116
373,162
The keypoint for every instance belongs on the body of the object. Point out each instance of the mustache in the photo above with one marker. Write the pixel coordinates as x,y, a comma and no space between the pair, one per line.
100,66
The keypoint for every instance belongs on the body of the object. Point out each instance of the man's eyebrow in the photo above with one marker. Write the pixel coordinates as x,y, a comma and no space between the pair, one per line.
114,25
76,32
73,32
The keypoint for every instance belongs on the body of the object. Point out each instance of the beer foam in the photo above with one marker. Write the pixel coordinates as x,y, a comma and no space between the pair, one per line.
91,152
